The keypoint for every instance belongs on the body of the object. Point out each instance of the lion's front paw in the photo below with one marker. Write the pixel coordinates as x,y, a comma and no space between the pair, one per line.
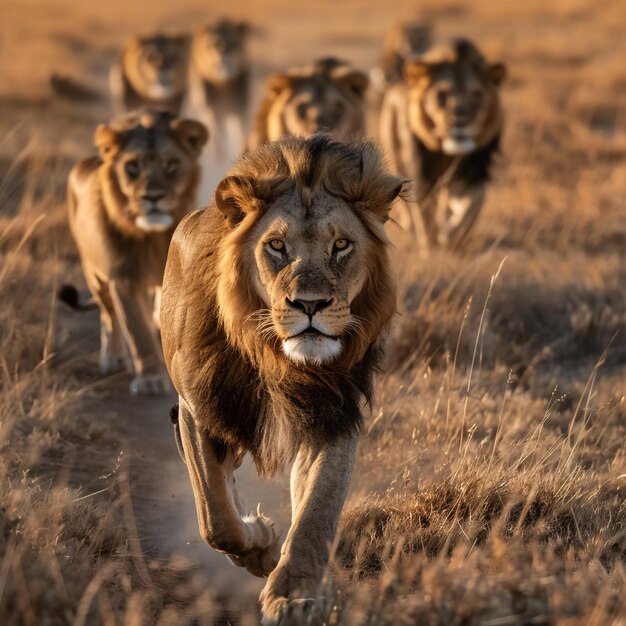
284,612
259,561
151,385
111,364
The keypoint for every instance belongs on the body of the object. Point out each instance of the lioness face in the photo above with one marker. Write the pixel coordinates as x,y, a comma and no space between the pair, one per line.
312,110
454,100
153,166
159,66
219,50
310,264
327,97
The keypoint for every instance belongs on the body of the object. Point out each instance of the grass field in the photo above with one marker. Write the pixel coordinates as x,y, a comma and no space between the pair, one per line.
490,486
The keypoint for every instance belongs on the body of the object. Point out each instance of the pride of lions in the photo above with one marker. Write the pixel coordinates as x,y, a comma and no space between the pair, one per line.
272,303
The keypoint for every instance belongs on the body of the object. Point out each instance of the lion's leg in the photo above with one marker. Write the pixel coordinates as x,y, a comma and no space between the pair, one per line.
319,487
135,318
112,349
248,539
456,216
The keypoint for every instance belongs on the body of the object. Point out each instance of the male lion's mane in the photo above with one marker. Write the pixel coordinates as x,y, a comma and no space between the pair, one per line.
258,400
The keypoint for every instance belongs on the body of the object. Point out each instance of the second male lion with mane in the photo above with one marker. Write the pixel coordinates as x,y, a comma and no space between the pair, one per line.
325,96
275,304
441,127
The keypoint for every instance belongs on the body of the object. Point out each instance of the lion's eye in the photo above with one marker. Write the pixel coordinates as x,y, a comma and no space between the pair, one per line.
172,167
302,111
132,169
276,247
338,109
442,97
341,245
477,97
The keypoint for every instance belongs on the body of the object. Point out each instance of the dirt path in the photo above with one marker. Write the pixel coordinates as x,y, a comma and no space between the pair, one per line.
160,490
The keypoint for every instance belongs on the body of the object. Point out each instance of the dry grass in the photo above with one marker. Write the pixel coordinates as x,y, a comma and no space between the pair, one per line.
490,486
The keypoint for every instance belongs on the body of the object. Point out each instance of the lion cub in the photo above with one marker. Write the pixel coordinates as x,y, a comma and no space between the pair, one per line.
151,71
441,127
123,208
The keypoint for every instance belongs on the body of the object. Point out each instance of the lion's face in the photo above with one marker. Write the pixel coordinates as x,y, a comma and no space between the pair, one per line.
454,102
327,97
310,265
303,269
157,66
218,50
153,163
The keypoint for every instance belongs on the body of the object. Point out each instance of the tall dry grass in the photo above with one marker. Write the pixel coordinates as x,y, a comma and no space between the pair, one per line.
490,484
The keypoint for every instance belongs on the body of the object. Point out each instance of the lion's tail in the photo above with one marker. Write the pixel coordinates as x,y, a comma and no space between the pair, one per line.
70,296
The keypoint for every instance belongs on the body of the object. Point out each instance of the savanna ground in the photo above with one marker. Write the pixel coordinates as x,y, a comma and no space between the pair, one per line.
491,481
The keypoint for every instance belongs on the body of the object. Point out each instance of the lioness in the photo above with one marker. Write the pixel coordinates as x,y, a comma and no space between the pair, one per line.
123,208
328,96
219,83
275,303
151,71
441,128
404,40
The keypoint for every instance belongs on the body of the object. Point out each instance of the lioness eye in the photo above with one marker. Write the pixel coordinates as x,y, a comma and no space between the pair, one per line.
341,245
477,96
132,169
172,167
277,245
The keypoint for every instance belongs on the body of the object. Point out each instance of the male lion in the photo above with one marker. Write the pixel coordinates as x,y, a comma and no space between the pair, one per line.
327,96
123,208
441,127
151,71
275,302
219,83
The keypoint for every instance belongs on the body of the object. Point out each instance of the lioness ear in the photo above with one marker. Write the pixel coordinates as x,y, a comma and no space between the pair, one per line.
277,84
355,80
191,134
415,70
496,72
107,141
231,196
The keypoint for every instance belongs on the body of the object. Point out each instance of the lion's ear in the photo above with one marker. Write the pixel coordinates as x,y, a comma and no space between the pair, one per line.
277,84
107,141
496,72
231,197
415,70
191,134
355,80
393,188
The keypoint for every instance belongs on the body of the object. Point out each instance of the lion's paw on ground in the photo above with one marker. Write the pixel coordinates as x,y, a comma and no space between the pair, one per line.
296,612
151,385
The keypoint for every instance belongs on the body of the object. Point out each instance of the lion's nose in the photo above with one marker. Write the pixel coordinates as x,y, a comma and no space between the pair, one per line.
153,196
310,307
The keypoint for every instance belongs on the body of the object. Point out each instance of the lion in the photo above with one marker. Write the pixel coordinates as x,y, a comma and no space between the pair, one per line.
441,127
326,96
404,40
219,84
123,208
276,301
151,71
